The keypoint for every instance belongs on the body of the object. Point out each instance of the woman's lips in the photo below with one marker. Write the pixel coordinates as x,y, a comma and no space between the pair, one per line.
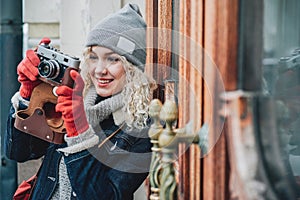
104,82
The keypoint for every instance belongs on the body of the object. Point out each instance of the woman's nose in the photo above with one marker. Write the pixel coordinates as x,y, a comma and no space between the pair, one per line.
101,68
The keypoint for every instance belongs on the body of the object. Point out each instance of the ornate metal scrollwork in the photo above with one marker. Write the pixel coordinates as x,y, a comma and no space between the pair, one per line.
165,144
154,132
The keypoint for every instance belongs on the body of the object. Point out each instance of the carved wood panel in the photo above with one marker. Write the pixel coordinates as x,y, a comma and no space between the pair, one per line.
220,43
190,93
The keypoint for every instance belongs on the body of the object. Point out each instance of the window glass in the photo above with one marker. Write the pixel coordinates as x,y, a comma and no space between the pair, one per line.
281,76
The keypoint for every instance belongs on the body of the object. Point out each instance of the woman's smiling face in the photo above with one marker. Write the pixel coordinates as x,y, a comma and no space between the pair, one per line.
106,71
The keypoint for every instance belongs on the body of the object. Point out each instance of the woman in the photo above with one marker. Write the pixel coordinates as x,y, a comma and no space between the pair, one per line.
106,153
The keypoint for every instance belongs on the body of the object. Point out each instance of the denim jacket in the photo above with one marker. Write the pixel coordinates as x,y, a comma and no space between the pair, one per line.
113,171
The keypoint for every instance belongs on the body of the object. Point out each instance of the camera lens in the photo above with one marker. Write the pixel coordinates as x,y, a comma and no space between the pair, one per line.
49,69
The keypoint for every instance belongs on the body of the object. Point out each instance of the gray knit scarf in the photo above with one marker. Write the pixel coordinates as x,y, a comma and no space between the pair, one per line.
95,113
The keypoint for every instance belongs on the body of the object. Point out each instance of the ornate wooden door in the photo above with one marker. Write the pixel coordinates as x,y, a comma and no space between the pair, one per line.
208,57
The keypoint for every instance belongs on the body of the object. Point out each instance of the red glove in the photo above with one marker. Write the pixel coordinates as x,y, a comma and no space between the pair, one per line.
70,104
28,72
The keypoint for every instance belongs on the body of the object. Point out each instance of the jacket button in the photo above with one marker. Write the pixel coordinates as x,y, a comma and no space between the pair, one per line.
74,194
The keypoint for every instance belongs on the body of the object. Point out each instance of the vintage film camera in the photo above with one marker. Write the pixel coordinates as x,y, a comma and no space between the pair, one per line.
40,118
54,65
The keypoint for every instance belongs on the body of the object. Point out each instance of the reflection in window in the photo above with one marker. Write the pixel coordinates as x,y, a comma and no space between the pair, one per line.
281,75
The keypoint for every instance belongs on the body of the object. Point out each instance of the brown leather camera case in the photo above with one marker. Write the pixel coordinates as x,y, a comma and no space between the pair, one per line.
40,118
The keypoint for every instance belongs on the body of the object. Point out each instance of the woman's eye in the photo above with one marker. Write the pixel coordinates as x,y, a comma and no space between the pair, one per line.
93,57
113,59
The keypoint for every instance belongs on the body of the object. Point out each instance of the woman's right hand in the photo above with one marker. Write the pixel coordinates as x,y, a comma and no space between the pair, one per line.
27,73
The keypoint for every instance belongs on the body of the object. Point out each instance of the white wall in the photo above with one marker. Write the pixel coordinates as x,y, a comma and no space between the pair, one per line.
78,17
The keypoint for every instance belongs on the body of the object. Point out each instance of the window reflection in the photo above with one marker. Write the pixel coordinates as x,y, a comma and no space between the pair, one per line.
281,75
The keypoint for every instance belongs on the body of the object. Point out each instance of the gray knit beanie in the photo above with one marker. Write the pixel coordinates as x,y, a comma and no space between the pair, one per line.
124,32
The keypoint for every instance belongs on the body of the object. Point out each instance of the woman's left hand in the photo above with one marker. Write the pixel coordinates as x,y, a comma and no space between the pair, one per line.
70,104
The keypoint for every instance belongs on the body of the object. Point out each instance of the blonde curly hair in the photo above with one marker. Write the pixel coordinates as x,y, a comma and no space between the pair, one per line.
137,92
